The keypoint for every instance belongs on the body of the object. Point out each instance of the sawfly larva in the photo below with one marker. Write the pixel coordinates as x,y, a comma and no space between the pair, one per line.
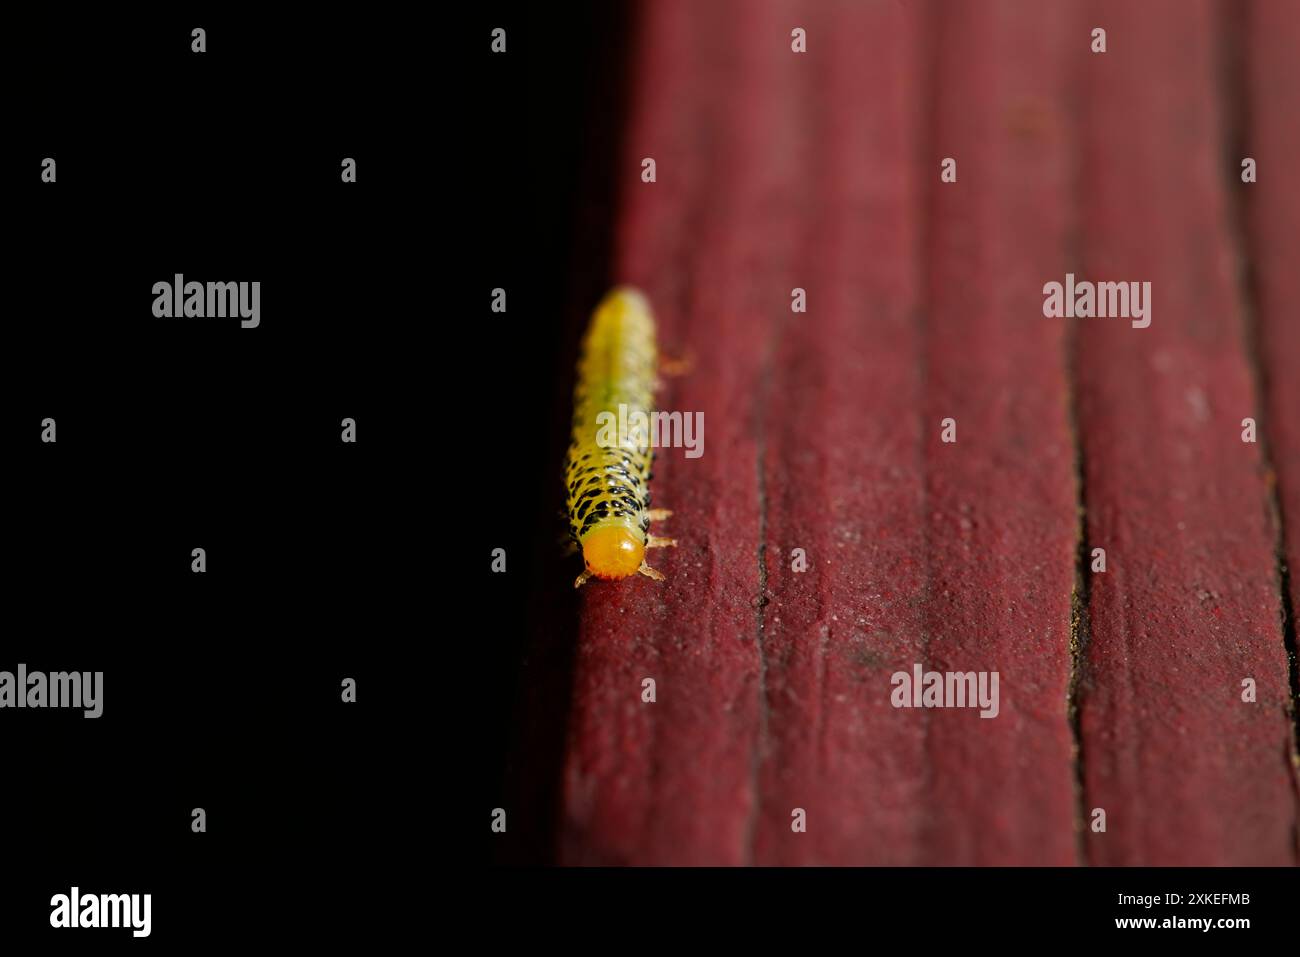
607,471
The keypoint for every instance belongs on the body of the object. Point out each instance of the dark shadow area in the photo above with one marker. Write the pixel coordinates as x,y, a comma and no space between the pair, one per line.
549,144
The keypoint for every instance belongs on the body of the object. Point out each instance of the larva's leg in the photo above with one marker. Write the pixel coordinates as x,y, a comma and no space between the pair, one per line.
659,514
654,541
582,579
649,572
672,367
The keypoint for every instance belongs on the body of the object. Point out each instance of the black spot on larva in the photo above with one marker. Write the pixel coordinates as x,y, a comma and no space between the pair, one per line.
645,523
647,498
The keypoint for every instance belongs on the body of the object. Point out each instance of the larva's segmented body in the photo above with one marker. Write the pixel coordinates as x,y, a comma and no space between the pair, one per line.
607,469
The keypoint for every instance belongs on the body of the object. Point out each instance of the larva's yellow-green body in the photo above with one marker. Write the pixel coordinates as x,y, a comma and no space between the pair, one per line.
607,469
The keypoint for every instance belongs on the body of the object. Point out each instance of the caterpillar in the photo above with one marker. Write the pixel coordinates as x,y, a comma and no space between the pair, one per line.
607,470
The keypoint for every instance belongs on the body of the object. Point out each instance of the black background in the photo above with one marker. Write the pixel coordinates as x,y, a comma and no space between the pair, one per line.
542,132
220,690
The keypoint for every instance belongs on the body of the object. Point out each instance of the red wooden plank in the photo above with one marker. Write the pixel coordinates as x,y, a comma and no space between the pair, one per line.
820,170
959,556
671,782
1272,63
843,461
1186,772
778,170
1001,507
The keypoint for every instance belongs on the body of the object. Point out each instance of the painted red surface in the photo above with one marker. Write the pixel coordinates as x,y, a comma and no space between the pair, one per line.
1189,606
778,170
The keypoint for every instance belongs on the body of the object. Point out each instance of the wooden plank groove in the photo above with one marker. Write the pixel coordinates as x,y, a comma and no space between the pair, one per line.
1272,250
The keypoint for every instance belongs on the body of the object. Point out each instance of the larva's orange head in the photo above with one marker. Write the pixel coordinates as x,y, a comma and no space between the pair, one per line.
612,551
